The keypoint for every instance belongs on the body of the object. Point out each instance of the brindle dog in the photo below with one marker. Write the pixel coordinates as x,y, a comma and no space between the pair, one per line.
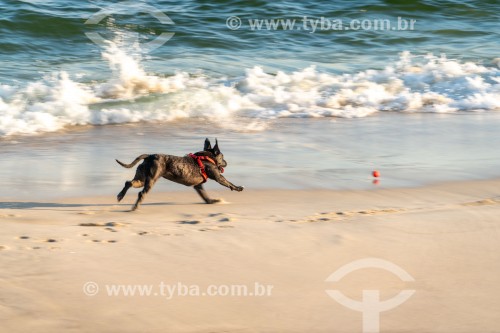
183,170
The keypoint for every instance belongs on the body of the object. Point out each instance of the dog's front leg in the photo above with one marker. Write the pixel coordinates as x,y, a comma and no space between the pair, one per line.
224,182
203,194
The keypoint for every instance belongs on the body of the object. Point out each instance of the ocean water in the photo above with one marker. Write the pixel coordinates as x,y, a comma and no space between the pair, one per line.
91,73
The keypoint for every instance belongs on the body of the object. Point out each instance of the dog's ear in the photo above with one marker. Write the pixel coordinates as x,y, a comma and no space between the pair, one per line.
208,145
216,148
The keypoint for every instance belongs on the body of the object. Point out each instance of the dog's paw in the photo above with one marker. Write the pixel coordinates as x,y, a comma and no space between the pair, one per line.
119,197
214,201
239,188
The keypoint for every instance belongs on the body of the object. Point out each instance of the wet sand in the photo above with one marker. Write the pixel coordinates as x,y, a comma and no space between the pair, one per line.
408,150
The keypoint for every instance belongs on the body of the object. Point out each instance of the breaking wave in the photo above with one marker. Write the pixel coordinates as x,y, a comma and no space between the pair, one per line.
411,84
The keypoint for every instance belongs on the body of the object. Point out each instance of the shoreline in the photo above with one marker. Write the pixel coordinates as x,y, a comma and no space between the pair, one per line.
445,236
296,154
187,195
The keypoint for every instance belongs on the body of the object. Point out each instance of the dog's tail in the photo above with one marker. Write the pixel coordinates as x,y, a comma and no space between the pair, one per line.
143,156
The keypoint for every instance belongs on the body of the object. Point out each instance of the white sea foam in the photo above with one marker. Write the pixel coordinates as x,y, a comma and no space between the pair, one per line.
412,84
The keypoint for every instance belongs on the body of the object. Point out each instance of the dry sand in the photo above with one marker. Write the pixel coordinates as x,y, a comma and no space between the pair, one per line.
447,237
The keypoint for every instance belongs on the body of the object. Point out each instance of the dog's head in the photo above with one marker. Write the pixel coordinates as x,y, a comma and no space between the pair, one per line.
215,151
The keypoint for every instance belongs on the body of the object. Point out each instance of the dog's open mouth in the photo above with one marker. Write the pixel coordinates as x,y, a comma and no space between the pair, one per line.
221,169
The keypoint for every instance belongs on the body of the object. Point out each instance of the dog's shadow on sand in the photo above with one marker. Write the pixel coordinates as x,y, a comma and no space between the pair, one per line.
45,205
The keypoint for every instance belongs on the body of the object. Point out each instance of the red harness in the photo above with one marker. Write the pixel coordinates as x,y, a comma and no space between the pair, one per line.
199,160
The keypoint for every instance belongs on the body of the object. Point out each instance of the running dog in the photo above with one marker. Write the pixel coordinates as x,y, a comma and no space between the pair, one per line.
190,170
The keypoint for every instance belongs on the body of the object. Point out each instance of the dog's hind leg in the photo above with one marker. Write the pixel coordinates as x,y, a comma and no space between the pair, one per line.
148,185
128,184
137,182
203,194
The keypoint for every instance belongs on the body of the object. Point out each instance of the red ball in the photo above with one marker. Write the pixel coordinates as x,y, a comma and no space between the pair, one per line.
376,174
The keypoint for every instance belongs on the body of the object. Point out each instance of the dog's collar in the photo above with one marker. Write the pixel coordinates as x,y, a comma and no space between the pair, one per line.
199,160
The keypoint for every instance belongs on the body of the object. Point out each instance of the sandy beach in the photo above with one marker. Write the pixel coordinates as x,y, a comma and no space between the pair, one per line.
59,259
